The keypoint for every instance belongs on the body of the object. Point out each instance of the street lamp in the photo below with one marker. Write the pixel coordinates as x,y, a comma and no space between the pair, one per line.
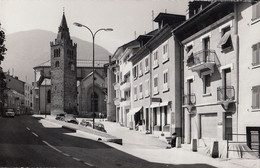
93,62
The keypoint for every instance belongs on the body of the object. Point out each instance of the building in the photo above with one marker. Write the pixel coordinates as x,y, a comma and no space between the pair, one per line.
85,93
63,72
157,79
249,80
123,80
111,93
14,93
28,98
210,97
62,85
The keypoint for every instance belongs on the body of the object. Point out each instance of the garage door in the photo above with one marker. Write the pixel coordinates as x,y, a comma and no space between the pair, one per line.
209,125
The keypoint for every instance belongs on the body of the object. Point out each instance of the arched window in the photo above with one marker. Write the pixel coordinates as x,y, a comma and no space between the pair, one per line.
57,64
49,96
94,101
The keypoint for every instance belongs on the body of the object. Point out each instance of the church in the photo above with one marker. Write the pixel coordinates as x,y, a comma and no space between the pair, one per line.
64,84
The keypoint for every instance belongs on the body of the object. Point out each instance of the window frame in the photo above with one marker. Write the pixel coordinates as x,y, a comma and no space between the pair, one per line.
155,61
165,80
155,88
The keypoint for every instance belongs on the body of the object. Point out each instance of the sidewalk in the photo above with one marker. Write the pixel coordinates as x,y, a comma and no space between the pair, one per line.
151,148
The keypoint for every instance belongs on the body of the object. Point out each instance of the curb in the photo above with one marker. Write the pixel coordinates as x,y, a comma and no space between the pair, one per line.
95,137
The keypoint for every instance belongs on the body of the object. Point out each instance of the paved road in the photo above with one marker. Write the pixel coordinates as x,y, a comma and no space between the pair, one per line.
25,142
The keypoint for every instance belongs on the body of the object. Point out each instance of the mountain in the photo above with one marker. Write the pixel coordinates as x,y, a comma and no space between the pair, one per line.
28,49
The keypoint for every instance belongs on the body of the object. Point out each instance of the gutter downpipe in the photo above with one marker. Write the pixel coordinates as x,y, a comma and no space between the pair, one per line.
150,103
237,57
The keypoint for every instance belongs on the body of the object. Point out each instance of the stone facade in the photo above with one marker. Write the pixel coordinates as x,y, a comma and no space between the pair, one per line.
63,72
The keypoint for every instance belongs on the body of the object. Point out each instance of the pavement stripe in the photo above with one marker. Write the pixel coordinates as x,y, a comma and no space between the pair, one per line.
51,146
35,134
66,154
76,159
86,163
28,128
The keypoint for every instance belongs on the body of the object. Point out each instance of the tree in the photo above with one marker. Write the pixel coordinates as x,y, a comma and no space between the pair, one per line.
2,45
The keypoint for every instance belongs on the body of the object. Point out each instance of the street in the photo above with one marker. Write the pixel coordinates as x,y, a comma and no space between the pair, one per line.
25,142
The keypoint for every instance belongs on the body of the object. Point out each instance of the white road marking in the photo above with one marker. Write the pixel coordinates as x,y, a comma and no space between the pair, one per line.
51,146
35,134
86,163
76,159
28,128
66,154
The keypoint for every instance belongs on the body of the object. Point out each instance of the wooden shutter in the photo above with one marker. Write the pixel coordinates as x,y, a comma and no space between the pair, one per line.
254,97
254,57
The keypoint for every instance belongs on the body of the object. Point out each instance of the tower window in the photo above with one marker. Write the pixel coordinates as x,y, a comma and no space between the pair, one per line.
57,64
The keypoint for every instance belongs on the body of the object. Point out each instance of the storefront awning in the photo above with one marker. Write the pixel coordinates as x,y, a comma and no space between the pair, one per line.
134,110
157,104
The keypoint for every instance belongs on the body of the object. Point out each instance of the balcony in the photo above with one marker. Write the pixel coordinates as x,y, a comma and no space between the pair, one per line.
116,101
125,101
125,85
116,85
225,95
189,101
202,60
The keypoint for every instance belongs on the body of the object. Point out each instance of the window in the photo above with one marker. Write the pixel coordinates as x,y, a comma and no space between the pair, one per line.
256,54
135,72
190,60
135,93
140,69
256,11
165,52
155,59
226,41
207,83
155,85
141,91
56,52
57,64
165,81
256,97
94,104
49,96
147,83
206,46
146,66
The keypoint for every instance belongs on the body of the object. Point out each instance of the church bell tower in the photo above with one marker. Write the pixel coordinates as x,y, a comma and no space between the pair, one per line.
63,72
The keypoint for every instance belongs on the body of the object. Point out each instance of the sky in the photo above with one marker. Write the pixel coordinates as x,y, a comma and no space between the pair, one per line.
128,18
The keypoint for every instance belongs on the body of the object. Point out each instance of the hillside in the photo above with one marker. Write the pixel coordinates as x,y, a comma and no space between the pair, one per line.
30,48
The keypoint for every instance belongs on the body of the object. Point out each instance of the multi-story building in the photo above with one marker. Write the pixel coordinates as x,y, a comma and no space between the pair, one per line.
14,93
28,98
249,68
210,73
157,79
123,81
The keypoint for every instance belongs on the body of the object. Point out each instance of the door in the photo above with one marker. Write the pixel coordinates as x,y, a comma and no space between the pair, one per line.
209,125
206,44
253,138
227,92
228,126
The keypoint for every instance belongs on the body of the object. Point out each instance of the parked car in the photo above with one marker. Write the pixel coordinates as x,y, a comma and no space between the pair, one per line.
85,123
9,112
100,127
60,116
70,118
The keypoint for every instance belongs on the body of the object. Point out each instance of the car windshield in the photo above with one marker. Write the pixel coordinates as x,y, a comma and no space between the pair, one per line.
10,110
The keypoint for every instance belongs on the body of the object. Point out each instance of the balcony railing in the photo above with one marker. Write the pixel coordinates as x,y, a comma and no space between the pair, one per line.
202,60
225,93
189,99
